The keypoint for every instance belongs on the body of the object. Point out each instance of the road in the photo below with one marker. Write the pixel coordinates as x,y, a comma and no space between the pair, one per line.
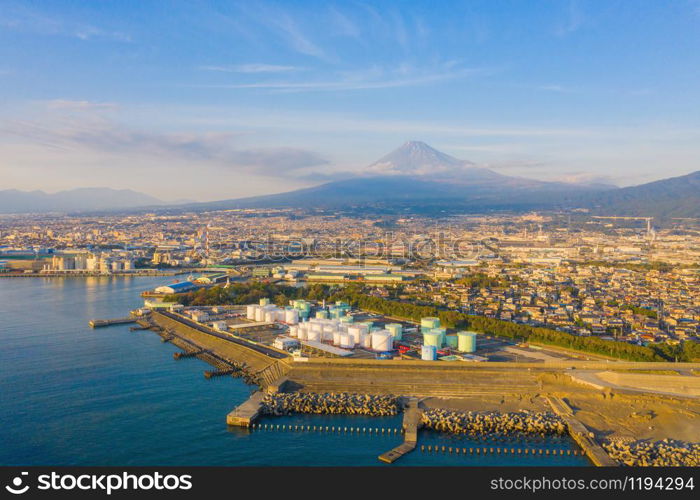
272,353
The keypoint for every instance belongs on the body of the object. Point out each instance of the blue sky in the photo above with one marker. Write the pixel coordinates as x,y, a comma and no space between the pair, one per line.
210,100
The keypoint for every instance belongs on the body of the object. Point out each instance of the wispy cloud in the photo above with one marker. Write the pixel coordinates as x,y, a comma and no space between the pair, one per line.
366,79
573,19
20,17
63,130
252,68
69,105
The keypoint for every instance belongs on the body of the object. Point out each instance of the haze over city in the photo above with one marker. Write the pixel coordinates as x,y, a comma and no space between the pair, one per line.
204,102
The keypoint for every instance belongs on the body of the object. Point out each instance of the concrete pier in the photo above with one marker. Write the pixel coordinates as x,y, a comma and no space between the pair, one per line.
581,434
98,323
245,414
411,421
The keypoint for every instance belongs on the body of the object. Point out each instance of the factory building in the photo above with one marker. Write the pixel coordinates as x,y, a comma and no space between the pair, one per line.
181,287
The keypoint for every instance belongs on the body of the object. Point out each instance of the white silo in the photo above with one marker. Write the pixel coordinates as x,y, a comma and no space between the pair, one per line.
336,338
293,331
428,353
250,311
345,341
259,314
291,316
382,341
366,340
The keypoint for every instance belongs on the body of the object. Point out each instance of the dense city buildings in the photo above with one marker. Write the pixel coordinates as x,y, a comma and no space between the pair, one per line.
620,279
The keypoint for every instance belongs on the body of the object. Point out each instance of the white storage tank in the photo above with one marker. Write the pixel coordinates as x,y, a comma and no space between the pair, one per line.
466,341
382,341
250,311
293,331
303,334
314,335
259,314
291,316
336,338
269,317
428,353
355,337
366,340
355,330
345,341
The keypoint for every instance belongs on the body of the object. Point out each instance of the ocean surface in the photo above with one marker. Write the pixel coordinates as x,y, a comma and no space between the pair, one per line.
71,395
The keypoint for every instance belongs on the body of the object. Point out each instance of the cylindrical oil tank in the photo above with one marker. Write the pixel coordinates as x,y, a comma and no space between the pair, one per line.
451,340
264,301
466,341
336,338
314,335
293,331
303,334
432,339
327,333
382,341
355,330
355,337
396,329
260,314
269,317
366,340
345,341
316,327
442,332
428,353
291,316
250,311
429,323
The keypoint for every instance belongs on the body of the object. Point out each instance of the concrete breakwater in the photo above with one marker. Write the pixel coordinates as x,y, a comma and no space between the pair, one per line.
330,404
493,423
664,453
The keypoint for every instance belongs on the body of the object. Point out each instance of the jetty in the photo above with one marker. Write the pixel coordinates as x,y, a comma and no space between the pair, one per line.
411,422
581,434
99,323
246,413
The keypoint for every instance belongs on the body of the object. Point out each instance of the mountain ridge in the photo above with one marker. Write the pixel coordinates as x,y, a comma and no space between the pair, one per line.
78,199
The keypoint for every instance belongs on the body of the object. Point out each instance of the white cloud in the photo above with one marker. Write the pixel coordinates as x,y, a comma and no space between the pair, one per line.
252,68
366,79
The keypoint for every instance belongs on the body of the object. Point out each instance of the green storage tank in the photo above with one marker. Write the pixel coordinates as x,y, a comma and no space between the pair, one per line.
395,329
433,339
451,341
442,332
466,342
429,323
322,314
